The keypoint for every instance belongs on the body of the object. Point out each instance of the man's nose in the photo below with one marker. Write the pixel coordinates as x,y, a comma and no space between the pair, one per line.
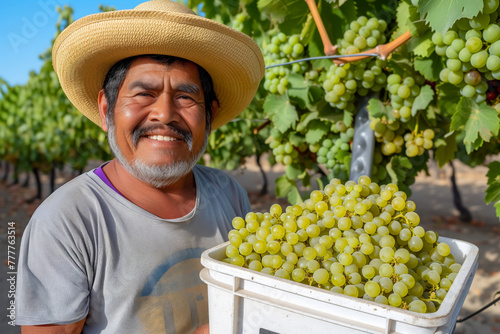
164,110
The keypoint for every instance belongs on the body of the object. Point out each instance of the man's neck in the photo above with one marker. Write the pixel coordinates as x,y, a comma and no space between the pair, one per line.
173,201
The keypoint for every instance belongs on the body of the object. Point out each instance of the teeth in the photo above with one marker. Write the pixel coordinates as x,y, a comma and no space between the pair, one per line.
162,138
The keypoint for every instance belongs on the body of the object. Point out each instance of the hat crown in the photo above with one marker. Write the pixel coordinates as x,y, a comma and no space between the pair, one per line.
166,6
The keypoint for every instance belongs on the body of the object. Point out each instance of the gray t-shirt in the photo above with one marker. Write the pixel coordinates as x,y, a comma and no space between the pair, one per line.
89,252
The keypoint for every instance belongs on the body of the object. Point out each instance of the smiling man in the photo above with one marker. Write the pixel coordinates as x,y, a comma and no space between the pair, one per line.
117,249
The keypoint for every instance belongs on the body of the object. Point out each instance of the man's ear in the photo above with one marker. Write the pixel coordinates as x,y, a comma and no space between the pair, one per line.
215,109
103,109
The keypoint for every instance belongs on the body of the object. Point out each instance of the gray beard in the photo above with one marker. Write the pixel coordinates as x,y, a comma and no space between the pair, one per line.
159,176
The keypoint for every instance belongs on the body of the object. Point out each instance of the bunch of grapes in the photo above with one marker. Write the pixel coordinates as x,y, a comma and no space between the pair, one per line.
239,21
417,143
344,82
363,34
357,238
282,49
336,149
472,52
403,92
379,172
389,135
360,77
283,151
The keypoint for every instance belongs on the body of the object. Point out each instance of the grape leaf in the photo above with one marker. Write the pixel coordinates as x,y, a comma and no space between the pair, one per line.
422,45
295,12
294,170
305,119
442,14
283,186
493,190
402,17
479,120
431,112
295,139
288,188
447,98
378,109
315,95
400,63
316,130
281,112
429,67
446,149
348,118
331,114
298,90
422,100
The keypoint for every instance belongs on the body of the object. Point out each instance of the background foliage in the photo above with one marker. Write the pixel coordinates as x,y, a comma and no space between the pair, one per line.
301,115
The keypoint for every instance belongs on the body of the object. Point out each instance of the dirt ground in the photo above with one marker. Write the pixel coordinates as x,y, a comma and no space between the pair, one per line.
432,195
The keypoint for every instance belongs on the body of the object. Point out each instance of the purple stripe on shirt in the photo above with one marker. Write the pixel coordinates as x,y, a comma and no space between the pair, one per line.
99,172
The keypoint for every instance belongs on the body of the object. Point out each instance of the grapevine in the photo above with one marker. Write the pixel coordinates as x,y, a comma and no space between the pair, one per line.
434,95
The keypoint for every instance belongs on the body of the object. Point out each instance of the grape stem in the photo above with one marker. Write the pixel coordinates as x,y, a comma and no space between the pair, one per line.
328,47
382,50
432,300
260,127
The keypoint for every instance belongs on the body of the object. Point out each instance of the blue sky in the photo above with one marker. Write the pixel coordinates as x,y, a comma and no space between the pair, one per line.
27,28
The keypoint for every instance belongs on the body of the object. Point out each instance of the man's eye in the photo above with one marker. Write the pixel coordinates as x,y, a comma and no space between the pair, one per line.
144,94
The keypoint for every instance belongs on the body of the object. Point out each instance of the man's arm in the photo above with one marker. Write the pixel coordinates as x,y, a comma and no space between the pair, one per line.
202,330
75,328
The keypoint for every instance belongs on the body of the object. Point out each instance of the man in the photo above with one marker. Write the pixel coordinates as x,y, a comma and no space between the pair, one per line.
117,249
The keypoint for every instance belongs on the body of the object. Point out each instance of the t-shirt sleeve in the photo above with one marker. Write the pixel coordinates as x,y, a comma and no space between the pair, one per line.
52,282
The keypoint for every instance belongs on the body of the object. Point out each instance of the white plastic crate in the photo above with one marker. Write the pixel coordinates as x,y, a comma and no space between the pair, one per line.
244,301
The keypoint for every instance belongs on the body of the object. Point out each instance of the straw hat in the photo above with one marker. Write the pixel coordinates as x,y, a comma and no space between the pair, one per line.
85,51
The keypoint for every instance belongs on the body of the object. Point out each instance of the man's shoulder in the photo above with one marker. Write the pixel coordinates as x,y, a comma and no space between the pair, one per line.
215,177
74,193
212,173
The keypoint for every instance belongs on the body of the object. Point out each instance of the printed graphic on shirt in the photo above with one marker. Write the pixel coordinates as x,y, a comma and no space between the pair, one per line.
174,298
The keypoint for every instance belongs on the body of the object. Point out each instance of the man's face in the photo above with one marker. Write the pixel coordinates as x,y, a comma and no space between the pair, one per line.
159,118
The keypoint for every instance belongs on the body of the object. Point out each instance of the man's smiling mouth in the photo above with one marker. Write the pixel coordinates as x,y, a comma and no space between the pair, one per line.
162,138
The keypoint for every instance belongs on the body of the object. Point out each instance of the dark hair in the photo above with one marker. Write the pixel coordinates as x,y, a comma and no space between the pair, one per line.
116,75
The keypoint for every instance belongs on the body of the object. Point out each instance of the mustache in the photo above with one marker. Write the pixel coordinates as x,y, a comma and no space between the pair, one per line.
183,134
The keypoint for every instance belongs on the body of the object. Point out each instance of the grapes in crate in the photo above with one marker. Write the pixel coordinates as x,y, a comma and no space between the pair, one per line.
357,238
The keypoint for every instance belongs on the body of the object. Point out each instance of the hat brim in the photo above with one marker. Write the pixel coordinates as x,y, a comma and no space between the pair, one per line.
85,51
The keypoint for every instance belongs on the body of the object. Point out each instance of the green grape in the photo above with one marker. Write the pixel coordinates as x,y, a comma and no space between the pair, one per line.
260,246
321,276
238,260
443,249
372,289
238,223
394,299
386,270
415,244
491,33
479,22
298,275
474,44
490,6
351,290
479,59
449,37
418,306
386,284
464,55
454,64
437,38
